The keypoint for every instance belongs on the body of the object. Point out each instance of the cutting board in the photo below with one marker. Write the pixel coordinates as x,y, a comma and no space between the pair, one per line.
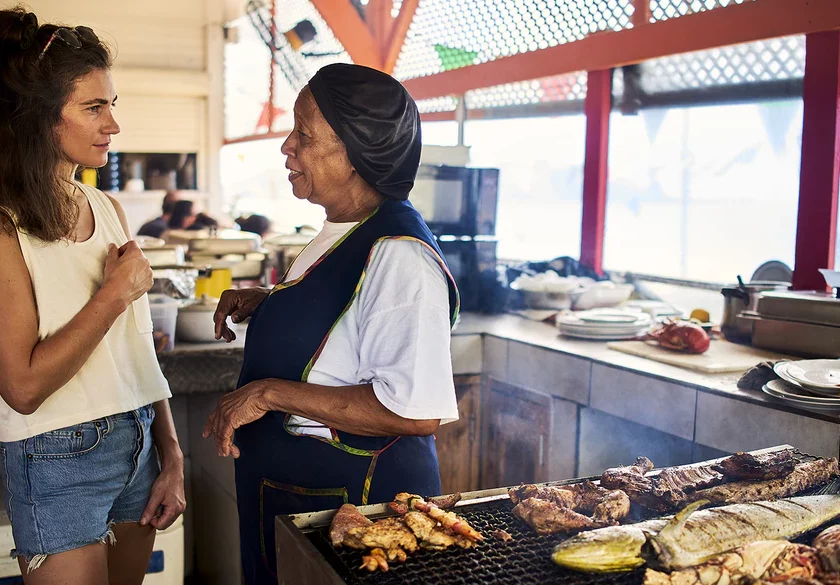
721,357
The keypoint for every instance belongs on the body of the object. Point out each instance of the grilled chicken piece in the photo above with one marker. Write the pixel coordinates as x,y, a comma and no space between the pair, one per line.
562,496
804,476
548,518
388,533
612,508
347,518
766,466
433,536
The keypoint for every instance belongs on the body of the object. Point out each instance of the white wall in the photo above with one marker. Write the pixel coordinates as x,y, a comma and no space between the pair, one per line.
168,70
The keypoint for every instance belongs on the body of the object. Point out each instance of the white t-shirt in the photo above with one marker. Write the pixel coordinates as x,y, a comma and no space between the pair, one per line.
395,335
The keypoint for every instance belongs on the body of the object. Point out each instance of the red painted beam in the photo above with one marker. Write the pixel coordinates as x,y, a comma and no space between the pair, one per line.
351,31
398,34
816,228
641,12
740,23
598,105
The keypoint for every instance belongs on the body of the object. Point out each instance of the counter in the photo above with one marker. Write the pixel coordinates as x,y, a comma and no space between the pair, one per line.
567,408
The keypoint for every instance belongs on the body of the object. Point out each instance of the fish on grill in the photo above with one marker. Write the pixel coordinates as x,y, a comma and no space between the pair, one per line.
772,465
764,560
568,508
805,475
606,550
694,536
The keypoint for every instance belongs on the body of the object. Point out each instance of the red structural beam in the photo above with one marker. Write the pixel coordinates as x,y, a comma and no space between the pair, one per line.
351,31
816,228
398,34
598,105
741,23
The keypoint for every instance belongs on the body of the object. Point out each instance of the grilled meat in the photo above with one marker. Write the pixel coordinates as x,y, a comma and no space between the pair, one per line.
376,560
501,535
446,502
765,466
449,520
547,517
664,491
629,478
693,537
827,544
804,476
433,536
388,533
347,518
550,509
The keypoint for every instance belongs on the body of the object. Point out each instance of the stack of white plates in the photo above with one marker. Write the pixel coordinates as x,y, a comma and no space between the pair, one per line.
604,324
813,383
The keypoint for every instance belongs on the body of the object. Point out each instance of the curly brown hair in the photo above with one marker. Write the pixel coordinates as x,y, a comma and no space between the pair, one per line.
33,92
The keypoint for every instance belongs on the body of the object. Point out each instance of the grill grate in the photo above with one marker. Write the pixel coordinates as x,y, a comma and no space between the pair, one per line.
525,560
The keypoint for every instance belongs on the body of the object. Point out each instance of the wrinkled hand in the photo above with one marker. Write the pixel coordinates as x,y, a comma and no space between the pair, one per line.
167,500
239,305
127,274
238,408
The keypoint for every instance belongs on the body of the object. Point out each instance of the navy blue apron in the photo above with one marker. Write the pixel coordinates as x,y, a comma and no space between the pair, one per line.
281,472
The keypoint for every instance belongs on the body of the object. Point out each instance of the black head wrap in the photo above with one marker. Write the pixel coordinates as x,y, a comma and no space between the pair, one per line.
378,122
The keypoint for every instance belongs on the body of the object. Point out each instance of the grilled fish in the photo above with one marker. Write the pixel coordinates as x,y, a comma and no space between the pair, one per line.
615,548
692,537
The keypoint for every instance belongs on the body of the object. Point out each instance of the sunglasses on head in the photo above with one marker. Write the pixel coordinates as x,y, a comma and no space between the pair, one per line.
72,37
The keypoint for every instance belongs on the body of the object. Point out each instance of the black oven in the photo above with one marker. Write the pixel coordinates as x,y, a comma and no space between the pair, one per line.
457,201
472,262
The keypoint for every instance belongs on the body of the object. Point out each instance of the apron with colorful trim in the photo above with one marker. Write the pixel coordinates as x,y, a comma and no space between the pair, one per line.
280,471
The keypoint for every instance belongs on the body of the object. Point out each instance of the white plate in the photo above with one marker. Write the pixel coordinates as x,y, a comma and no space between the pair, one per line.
599,336
793,400
782,389
611,318
781,370
822,374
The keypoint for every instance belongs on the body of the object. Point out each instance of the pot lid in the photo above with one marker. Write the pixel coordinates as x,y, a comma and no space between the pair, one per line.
205,304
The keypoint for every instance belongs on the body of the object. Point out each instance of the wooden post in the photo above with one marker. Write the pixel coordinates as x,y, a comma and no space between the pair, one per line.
816,228
597,107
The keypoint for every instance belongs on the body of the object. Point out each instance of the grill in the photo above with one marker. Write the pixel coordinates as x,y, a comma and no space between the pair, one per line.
525,560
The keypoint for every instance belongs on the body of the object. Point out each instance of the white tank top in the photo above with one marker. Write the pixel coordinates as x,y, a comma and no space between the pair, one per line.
123,373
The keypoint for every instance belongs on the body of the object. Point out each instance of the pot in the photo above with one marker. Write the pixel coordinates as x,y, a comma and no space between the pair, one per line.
743,298
195,321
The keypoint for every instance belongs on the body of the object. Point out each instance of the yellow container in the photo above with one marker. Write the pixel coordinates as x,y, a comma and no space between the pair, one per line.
220,280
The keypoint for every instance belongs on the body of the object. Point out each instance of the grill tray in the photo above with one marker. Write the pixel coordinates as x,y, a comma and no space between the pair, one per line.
525,560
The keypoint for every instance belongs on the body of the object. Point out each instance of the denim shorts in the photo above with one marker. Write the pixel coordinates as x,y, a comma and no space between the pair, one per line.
65,488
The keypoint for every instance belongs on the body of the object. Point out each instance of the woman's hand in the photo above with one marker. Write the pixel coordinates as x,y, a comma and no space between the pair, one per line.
167,500
128,275
239,305
234,410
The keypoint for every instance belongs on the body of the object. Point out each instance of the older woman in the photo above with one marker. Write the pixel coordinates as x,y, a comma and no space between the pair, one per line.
347,371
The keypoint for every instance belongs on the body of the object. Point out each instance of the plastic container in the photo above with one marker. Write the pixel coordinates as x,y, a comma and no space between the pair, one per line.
164,318
166,567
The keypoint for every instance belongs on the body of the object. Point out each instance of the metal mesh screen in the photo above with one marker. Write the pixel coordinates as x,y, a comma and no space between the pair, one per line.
435,105
770,60
549,89
665,9
449,34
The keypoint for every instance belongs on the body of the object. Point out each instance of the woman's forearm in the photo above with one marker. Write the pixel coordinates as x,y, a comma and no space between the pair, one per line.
352,409
166,439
